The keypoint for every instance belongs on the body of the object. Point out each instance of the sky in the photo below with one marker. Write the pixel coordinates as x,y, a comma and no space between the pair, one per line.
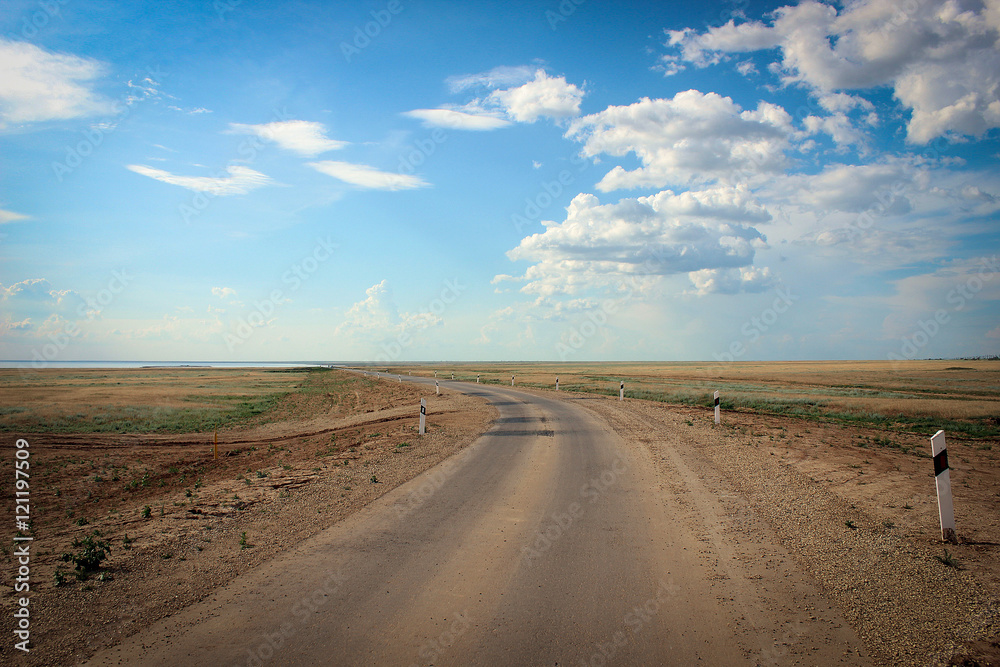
413,181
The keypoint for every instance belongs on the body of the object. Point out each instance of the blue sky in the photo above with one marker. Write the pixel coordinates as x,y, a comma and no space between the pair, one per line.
538,181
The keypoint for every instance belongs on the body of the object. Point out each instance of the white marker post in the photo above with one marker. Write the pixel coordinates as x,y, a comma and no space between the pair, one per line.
452,376
717,420
437,388
423,415
557,384
435,373
477,379
399,377
942,479
621,391
512,380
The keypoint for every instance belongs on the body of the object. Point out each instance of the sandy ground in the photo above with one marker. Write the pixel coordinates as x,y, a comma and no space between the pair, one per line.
211,520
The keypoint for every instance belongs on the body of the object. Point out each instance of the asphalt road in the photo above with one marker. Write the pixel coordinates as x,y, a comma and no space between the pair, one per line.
544,542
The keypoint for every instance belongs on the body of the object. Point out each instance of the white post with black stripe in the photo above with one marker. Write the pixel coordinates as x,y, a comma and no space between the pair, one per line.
717,420
942,480
512,380
399,378
452,376
423,415
437,388
477,379
621,391
557,384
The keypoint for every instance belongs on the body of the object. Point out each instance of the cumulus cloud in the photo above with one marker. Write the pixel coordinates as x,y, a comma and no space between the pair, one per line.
544,96
454,119
38,85
506,95
376,316
224,292
304,137
365,176
31,288
942,59
663,234
693,137
240,180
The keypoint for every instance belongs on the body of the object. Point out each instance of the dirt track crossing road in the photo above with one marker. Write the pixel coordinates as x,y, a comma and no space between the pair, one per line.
549,540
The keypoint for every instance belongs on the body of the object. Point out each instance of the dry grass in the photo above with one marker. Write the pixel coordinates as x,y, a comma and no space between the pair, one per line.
962,396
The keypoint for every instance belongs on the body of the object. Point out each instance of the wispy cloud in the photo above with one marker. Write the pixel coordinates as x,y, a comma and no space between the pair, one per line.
366,176
38,85
304,137
240,180
11,216
453,119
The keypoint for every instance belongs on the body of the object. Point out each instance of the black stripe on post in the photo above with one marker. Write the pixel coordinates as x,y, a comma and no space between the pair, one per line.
716,401
941,462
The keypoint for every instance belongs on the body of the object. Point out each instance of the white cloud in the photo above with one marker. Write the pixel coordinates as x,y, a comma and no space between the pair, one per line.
224,292
639,239
694,137
365,176
11,216
942,59
38,85
304,137
376,316
544,96
495,78
453,119
33,288
240,180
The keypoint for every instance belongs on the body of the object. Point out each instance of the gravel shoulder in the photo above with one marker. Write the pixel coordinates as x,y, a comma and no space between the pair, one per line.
861,522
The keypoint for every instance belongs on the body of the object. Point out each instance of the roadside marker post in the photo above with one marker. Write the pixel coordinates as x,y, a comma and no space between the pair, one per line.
621,392
717,420
477,379
452,376
557,384
423,415
399,378
512,380
942,480
437,388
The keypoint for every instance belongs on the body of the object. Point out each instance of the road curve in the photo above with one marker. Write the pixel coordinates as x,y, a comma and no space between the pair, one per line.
544,542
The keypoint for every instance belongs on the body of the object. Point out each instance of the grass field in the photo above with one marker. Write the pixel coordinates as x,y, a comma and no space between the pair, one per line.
919,396
161,400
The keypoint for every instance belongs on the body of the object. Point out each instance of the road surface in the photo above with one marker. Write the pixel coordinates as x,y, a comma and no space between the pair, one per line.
546,542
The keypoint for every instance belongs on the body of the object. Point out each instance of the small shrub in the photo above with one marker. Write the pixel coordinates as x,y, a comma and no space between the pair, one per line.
949,560
146,512
850,524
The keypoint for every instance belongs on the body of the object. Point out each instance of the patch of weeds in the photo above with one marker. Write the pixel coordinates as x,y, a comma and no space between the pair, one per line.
948,560
374,479
146,512
82,521
244,543
850,524
59,578
91,552
261,474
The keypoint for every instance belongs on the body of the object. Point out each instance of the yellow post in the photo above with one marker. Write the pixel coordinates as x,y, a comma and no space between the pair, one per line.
216,448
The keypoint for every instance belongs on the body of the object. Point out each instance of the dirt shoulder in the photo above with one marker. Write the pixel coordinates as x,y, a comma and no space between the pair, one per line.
180,524
857,510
